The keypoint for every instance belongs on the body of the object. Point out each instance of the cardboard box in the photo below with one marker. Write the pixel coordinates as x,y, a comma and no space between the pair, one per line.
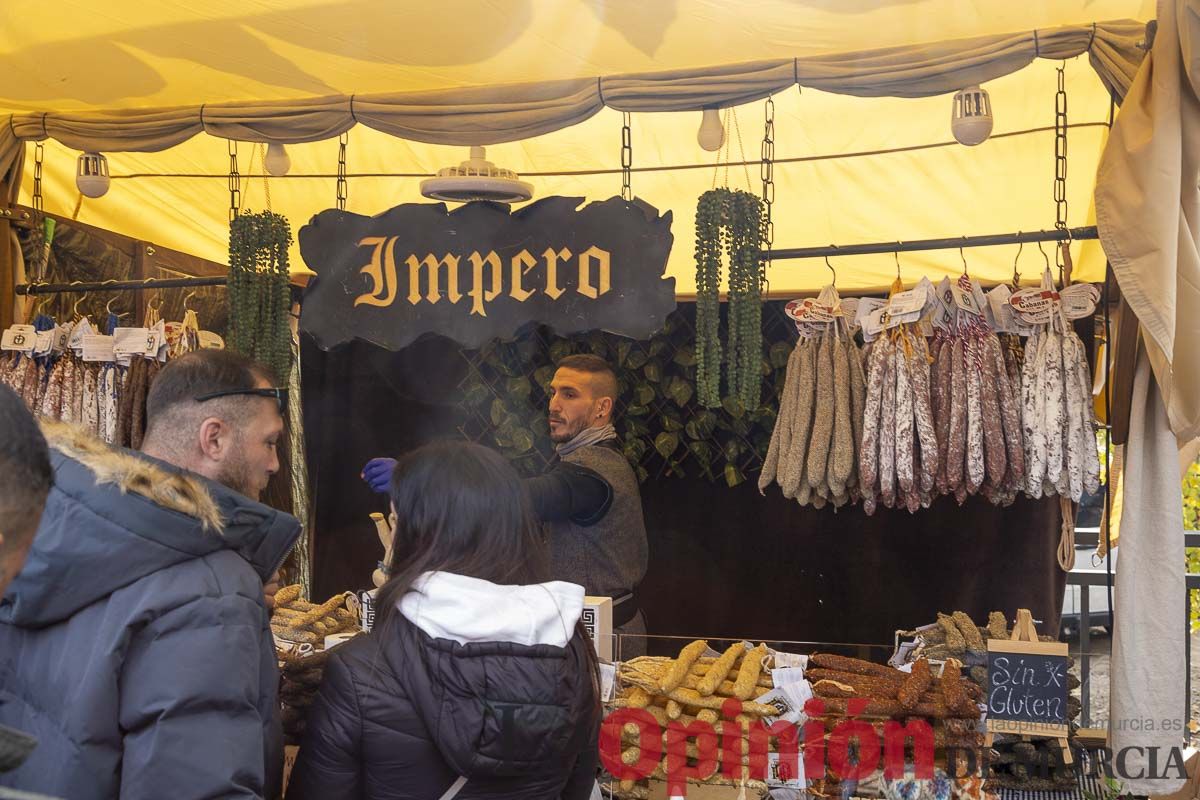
597,618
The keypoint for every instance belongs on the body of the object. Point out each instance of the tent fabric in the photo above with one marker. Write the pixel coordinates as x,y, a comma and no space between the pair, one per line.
1148,208
494,114
853,162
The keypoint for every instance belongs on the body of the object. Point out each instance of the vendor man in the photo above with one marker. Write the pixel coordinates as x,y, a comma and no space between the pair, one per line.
588,498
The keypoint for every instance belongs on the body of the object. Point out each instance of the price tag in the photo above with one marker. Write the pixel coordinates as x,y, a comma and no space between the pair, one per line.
62,337
1034,306
19,338
131,341
98,348
1002,313
156,341
82,328
849,308
866,307
964,297
786,778
608,682
1079,300
809,310
45,343
907,302
211,341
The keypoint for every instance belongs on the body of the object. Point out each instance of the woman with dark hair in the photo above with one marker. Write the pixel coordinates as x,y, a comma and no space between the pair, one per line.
478,679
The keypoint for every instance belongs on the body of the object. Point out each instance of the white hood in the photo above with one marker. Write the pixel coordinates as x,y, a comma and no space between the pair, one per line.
465,610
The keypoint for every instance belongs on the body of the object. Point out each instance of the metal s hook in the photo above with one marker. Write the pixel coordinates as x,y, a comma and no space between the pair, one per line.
75,307
963,256
1045,257
831,269
1017,275
189,296
896,253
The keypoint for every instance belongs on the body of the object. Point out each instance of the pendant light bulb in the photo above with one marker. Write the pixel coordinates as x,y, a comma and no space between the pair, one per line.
712,132
277,161
91,174
971,117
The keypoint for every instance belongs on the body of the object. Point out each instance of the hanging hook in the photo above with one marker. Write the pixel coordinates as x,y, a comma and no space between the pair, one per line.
108,309
1045,257
963,256
1020,247
189,296
896,253
832,270
75,308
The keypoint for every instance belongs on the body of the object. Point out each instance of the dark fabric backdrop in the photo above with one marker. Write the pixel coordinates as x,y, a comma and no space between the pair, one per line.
723,562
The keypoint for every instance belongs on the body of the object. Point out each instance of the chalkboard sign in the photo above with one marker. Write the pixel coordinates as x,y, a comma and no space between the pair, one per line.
1027,688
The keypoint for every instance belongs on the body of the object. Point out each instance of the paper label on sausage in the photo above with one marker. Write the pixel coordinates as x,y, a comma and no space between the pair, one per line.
809,310
907,302
1034,306
211,341
963,291
62,338
82,328
98,348
130,341
944,318
1079,300
19,338
45,343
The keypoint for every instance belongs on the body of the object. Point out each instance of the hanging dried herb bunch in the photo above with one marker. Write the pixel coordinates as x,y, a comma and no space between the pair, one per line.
729,225
258,294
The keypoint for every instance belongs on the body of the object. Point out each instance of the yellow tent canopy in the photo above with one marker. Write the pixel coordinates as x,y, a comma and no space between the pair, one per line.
867,155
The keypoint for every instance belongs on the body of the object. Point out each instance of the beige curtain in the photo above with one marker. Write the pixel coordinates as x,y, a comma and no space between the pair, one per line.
494,114
1148,208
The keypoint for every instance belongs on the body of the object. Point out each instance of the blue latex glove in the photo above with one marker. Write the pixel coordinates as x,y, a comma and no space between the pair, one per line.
378,474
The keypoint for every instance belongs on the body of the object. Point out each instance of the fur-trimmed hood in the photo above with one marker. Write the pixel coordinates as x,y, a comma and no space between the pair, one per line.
115,516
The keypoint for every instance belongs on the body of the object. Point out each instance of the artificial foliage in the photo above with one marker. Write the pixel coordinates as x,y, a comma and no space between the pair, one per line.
729,229
259,297
664,429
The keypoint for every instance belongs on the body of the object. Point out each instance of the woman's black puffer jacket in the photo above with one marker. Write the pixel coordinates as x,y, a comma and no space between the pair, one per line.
402,716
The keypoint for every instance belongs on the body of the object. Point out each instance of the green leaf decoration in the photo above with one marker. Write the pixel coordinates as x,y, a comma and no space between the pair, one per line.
666,444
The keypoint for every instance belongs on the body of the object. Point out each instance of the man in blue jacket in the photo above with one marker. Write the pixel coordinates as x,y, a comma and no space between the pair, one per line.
135,645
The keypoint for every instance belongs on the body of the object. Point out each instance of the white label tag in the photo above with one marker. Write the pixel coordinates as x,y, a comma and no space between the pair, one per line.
82,328
98,348
62,337
211,341
21,338
608,682
874,323
784,775
964,298
906,302
809,310
849,308
786,660
1002,313
45,343
157,341
783,676
866,307
1034,306
1079,300
130,341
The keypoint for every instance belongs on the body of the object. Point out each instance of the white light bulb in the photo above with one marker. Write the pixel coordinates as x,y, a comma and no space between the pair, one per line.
971,117
91,174
712,132
277,160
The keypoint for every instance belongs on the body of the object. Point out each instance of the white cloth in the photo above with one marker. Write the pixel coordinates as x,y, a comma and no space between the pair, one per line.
465,610
1148,207
1146,683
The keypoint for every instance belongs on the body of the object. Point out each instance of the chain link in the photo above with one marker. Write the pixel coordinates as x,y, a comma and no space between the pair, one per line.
626,157
38,153
767,170
1060,158
342,185
235,182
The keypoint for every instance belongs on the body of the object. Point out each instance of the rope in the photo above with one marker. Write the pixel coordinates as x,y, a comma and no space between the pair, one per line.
1066,542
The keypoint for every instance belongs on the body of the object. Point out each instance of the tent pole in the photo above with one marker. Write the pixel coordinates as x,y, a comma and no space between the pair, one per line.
989,240
119,286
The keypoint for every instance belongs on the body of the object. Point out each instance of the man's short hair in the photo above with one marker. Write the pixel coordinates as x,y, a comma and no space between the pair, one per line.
25,473
177,385
604,379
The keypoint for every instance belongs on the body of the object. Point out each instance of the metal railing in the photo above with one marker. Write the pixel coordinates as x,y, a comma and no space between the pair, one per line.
1087,577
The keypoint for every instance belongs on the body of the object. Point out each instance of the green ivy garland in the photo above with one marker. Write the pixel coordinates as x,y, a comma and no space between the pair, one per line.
258,294
729,223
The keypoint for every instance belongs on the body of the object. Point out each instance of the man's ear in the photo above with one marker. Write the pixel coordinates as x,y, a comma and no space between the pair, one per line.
213,438
604,407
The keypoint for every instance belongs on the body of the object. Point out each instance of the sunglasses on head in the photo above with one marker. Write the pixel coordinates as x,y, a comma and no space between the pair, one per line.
280,394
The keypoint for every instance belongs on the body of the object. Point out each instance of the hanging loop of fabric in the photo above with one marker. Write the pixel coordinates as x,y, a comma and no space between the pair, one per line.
768,187
1060,163
626,156
342,184
235,182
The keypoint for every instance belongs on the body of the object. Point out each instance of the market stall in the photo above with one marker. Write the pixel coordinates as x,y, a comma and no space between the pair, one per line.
822,457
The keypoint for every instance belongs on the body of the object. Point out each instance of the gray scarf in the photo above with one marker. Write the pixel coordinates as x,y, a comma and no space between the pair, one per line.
587,436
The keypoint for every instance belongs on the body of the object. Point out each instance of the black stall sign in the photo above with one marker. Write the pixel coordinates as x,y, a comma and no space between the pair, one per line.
1027,688
480,272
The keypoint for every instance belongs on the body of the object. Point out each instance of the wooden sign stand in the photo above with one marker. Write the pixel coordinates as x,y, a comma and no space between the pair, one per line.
1024,639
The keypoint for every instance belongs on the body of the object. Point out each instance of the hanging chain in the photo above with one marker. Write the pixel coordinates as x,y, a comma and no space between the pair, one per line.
262,154
626,158
768,183
235,182
38,153
1060,160
342,185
